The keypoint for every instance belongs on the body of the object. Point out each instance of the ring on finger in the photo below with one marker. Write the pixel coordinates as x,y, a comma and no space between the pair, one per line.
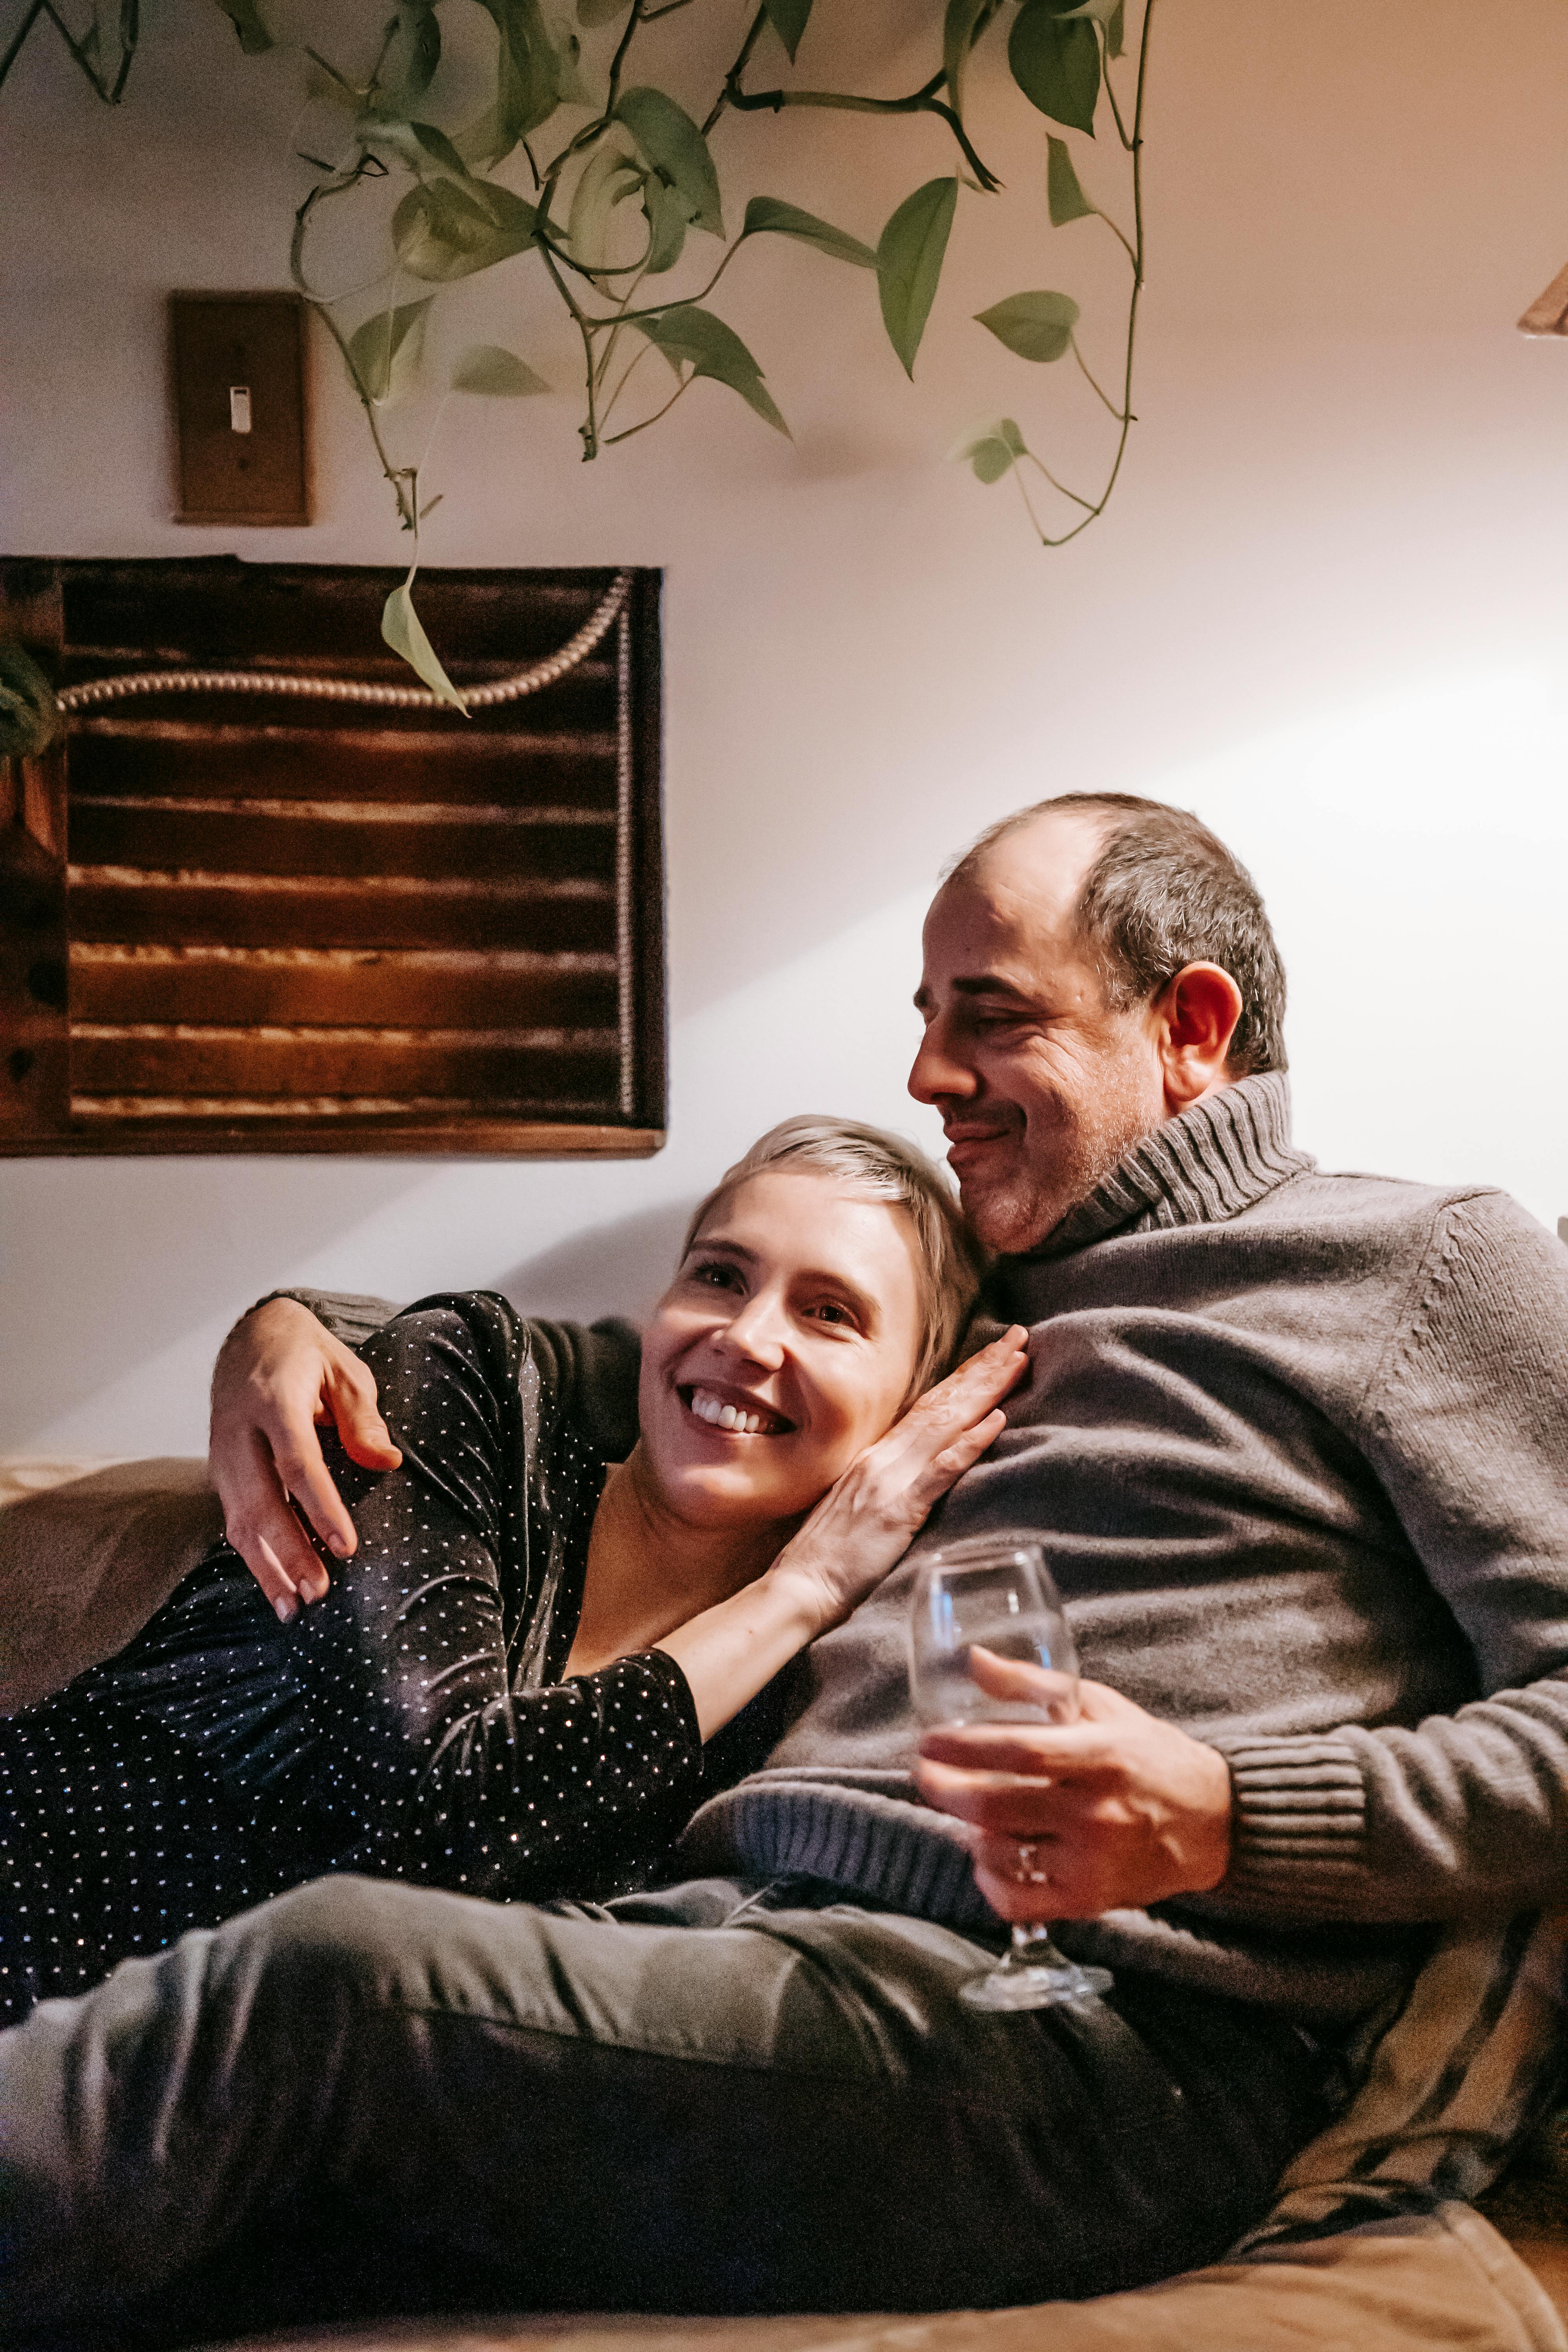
1026,1870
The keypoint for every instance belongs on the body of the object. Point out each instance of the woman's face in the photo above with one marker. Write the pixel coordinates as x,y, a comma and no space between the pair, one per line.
785,1344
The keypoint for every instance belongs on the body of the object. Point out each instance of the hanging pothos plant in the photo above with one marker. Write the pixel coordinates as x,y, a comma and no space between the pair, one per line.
611,199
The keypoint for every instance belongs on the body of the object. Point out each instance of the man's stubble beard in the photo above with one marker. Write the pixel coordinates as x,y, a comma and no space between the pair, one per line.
1018,1214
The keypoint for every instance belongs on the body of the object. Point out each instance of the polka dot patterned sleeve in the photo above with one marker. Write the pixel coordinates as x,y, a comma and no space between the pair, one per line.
413,1724
439,1748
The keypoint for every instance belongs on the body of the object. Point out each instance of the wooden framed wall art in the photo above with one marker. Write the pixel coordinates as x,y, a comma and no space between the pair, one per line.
262,919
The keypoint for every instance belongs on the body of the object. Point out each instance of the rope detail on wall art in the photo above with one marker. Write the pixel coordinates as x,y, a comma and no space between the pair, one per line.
292,683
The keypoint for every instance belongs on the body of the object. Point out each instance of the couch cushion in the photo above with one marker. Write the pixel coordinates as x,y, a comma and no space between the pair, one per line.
1443,2282
83,1565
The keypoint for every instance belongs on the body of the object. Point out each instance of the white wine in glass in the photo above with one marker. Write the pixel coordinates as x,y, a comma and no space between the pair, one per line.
994,1592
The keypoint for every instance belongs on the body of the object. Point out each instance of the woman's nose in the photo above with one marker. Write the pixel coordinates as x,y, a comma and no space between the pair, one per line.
756,1331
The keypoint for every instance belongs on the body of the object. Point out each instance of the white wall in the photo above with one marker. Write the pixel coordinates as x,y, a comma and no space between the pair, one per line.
1327,608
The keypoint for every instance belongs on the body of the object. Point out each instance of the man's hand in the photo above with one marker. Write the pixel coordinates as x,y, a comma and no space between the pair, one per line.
277,1374
1120,1809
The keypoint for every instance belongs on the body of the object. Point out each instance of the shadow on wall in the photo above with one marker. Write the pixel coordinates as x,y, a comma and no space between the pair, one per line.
133,1255
621,1269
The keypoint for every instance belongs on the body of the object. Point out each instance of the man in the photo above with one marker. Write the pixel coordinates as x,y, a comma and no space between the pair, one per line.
1297,1443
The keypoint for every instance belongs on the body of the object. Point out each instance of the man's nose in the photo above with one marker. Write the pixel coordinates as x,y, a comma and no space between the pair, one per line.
935,1073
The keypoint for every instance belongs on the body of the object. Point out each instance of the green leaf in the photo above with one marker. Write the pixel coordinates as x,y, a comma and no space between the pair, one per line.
247,20
908,263
600,12
527,71
676,148
992,450
446,229
418,144
1116,31
1064,196
694,337
990,458
771,216
957,40
323,79
1056,64
405,633
385,351
497,373
439,148
1035,326
413,53
30,715
608,178
788,18
669,217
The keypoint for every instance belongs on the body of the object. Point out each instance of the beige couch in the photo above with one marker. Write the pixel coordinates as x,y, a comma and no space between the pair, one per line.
85,1559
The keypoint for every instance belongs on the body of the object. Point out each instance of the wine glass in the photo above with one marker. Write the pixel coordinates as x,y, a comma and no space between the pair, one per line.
994,1592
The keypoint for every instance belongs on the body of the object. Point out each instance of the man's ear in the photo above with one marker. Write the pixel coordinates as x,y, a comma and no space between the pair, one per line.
1197,1013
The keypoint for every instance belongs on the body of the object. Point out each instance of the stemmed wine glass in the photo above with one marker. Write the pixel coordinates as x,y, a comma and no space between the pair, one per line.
994,1592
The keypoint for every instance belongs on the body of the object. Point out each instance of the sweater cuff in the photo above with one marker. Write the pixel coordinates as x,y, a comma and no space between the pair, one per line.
347,1314
1298,1820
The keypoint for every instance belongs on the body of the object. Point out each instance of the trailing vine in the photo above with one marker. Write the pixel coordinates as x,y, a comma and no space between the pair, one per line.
620,187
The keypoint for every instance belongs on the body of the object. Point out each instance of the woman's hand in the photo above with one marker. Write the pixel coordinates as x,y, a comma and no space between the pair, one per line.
279,1372
866,1520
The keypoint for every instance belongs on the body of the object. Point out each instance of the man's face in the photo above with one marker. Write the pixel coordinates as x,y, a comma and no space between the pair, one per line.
1041,1086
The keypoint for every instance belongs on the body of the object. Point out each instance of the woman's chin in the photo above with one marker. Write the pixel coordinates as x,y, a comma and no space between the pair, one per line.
720,1495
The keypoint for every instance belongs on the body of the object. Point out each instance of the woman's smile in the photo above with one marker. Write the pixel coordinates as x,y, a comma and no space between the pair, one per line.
785,1346
729,1412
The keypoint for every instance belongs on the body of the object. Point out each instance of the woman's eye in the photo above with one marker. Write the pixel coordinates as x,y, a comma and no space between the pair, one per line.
833,1310
714,1272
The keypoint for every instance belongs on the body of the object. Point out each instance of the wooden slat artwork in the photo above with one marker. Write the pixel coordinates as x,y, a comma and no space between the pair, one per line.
310,926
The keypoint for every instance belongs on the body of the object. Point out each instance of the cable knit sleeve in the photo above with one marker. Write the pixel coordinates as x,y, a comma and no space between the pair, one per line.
1466,1424
348,1315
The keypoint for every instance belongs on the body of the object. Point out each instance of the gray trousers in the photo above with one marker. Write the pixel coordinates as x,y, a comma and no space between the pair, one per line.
365,2095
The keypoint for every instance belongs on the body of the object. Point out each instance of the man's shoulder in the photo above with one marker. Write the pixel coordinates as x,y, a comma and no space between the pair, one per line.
1402,1209
588,1375
1352,1227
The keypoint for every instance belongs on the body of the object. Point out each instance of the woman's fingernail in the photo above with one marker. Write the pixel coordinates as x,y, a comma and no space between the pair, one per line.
288,1608
338,1544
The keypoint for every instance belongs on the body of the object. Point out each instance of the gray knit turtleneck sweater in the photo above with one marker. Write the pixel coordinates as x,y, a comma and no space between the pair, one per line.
1299,1444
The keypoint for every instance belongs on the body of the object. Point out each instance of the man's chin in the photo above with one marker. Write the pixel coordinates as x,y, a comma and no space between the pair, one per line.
1009,1219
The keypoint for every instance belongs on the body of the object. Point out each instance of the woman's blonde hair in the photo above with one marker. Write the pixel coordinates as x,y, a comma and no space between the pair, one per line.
875,1165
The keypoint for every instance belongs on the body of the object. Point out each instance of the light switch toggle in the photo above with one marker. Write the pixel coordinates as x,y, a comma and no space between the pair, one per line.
239,408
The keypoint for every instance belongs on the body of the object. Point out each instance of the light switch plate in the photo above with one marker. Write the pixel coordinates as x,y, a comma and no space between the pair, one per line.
237,371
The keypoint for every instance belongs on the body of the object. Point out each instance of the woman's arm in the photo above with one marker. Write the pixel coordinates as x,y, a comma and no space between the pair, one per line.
434,1766
861,1528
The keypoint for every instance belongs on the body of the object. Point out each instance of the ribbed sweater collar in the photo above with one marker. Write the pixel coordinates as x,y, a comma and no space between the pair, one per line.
1218,1158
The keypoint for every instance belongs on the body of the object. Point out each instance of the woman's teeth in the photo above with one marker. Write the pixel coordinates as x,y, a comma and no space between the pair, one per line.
713,1409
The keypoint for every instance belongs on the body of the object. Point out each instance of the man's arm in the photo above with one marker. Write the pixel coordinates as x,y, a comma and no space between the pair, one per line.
285,1367
1466,1423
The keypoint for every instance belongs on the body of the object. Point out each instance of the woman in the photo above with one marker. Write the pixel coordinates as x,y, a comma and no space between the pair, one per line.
510,1687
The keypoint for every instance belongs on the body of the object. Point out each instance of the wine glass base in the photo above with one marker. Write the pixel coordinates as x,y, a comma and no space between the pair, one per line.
1035,1987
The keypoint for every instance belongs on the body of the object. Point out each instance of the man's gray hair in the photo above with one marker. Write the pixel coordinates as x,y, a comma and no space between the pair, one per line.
873,1165
1162,892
